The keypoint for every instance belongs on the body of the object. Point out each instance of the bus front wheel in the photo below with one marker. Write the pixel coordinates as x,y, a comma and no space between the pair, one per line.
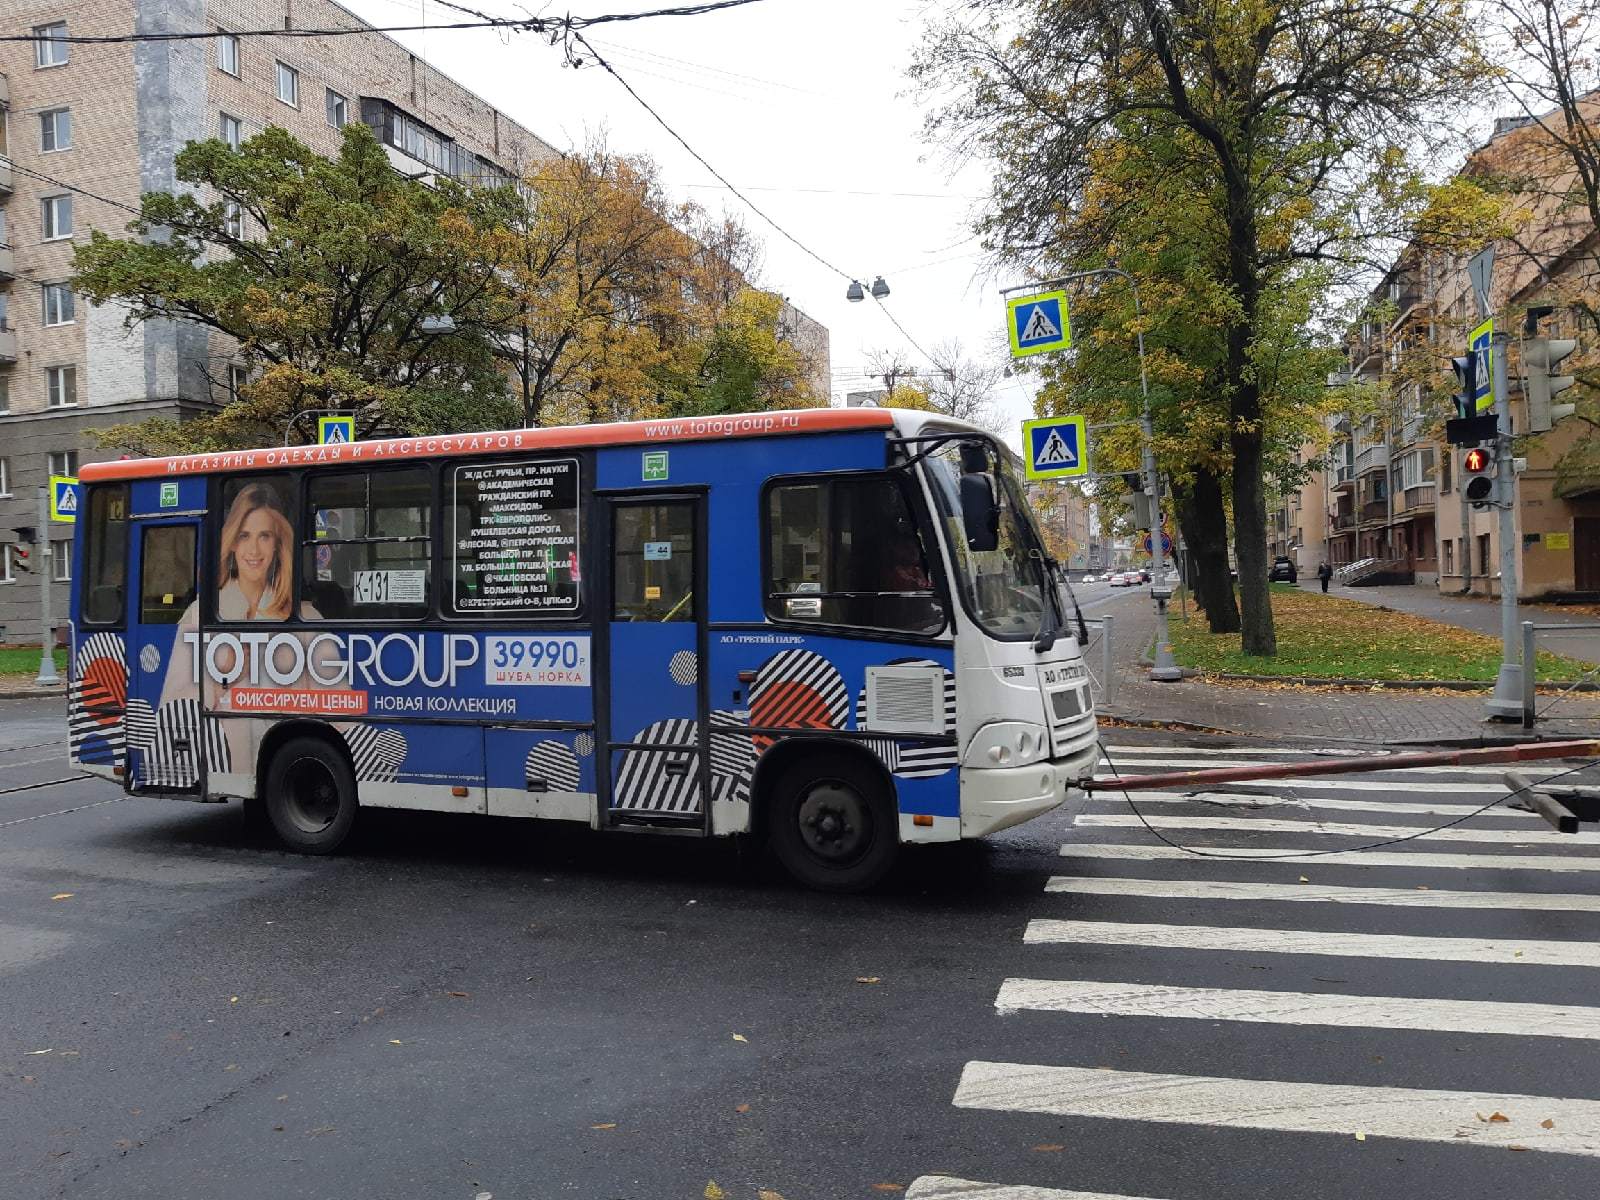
310,796
831,825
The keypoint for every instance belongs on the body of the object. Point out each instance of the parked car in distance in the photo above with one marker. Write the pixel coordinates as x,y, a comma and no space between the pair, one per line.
1091,578
1283,571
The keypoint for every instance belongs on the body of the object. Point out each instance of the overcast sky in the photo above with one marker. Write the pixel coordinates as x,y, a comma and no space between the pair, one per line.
802,104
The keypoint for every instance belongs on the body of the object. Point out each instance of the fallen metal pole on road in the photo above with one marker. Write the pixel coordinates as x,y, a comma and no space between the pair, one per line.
1521,752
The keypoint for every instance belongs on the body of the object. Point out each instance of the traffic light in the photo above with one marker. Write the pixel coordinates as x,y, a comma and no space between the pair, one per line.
1466,397
1477,469
1540,357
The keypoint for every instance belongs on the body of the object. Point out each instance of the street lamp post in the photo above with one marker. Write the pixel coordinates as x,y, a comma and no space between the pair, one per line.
1165,668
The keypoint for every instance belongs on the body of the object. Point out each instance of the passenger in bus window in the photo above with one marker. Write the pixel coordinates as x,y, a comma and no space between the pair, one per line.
255,547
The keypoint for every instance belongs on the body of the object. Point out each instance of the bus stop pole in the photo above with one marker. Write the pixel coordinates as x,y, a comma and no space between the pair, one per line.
41,544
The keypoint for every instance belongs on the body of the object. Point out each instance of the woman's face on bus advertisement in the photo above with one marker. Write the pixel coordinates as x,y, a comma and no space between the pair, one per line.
255,548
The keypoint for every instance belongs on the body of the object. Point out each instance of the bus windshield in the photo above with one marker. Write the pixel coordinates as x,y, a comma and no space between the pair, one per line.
1000,571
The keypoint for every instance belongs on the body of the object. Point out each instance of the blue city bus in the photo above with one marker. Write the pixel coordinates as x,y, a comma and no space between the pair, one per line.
838,630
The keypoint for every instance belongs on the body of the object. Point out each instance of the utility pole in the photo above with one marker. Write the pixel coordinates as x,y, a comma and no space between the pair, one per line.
47,642
1506,702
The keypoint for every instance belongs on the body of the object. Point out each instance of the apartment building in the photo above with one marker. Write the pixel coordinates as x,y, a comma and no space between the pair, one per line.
87,128
1392,487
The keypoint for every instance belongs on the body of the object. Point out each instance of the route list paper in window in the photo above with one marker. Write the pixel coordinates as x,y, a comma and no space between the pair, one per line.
514,537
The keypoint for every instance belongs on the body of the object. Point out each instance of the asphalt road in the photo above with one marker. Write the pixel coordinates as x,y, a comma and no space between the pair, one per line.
461,1006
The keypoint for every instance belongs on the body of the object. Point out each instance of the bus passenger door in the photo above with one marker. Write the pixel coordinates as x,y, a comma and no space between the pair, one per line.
164,728
656,631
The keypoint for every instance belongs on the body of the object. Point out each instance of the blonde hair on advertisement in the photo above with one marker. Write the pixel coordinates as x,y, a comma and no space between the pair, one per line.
276,600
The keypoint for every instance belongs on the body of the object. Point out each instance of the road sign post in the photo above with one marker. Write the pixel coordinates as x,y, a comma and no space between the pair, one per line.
1031,314
47,676
1506,702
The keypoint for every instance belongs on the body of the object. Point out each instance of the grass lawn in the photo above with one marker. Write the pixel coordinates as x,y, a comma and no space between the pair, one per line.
1333,638
26,661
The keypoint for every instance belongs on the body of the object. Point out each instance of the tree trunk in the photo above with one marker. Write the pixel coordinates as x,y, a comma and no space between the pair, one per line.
1203,520
1257,635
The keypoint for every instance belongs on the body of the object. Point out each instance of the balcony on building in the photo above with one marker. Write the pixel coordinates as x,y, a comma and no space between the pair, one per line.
417,148
1372,458
8,343
8,263
1375,512
1344,476
1342,520
1419,499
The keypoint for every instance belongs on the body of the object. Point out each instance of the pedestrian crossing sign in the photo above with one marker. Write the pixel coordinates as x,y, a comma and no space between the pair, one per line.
1055,448
335,431
64,497
1038,323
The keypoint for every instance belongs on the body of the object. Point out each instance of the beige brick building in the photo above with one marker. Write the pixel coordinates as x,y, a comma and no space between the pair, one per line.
85,129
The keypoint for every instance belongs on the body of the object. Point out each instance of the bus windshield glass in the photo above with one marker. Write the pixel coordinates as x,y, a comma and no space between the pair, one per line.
999,560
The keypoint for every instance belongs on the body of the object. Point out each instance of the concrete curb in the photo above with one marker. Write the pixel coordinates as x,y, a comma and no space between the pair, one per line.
1454,685
34,693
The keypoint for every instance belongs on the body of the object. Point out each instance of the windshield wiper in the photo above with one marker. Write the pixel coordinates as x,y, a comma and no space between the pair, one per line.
1045,639
1077,610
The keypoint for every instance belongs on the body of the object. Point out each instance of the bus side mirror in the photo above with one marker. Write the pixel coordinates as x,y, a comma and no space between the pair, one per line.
980,515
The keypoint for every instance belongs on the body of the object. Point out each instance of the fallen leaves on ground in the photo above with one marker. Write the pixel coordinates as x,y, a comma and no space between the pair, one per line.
63,895
604,1125
868,979
459,995
768,1194
739,1037
888,1187
1547,1123
1049,1148
714,1192
741,1108
1496,1117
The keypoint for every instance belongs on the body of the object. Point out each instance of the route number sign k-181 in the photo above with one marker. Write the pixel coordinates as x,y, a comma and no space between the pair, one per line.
1038,323
1055,448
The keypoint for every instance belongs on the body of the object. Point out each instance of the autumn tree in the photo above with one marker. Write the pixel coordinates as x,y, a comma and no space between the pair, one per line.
340,280
951,384
1290,121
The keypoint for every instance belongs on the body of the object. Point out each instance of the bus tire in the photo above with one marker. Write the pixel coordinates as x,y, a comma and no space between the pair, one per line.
310,795
831,824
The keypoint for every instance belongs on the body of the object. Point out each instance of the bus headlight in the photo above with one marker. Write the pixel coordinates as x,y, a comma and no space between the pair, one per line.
1007,744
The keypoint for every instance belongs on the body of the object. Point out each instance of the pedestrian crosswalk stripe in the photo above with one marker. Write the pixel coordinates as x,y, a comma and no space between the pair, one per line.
1413,1114
1298,1008
1333,828
1311,893
1262,800
945,1187
1362,858
1343,785
1522,952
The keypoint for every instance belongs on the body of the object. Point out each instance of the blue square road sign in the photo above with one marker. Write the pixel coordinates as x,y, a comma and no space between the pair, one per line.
1038,323
1055,448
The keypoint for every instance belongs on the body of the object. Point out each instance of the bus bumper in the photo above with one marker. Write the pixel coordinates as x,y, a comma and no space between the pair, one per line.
996,798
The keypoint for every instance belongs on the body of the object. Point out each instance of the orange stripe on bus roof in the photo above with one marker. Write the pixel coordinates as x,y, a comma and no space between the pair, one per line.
621,433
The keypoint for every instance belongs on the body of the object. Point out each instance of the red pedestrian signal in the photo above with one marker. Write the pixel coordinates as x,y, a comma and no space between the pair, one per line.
1477,468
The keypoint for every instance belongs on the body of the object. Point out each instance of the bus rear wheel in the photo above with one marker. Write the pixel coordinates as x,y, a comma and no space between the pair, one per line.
832,826
310,796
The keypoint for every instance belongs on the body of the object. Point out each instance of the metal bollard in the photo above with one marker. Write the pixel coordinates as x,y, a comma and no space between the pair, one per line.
1108,668
1529,637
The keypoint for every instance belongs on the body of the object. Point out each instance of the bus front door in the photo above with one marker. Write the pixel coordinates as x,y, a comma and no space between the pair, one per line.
655,651
164,725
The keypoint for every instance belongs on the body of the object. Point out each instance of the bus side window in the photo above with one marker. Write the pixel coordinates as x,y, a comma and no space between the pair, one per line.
847,551
368,549
106,556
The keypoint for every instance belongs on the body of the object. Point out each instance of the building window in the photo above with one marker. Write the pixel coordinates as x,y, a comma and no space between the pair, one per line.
232,131
60,306
228,53
55,130
1447,462
1448,546
5,564
338,109
233,220
55,218
63,462
61,383
61,562
50,44
238,376
5,381
1483,555
288,85
5,477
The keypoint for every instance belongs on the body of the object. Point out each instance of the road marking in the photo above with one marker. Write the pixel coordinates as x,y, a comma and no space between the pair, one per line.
1524,952
1180,889
1164,760
1219,751
1260,800
944,1187
1349,785
1352,858
1298,1008
1412,1114
1333,829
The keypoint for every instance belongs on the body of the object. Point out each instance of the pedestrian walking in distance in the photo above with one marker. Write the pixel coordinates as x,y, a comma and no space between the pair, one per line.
1324,573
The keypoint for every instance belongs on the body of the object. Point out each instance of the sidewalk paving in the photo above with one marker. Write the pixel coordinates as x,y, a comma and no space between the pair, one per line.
1385,716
